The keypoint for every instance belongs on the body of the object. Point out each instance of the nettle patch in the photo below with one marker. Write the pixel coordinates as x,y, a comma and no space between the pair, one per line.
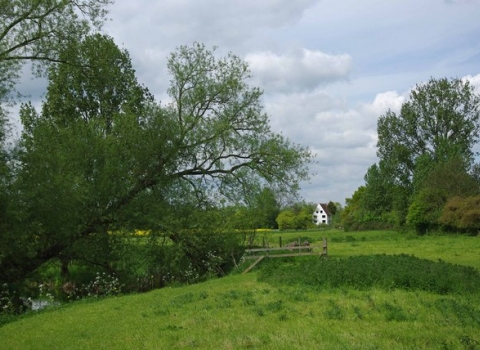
383,271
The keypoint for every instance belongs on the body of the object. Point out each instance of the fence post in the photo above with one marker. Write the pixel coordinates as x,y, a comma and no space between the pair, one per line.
325,248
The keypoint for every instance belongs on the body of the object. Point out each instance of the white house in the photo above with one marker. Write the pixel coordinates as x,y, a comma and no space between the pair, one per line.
322,215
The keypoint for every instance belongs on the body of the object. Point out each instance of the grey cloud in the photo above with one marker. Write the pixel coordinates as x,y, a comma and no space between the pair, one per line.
302,70
219,22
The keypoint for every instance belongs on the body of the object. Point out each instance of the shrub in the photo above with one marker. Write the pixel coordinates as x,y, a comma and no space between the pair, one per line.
462,214
102,286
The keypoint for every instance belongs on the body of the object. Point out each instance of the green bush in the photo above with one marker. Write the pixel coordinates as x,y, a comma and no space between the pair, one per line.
384,271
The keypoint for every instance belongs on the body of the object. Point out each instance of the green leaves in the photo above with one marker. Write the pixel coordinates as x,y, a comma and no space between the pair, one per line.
441,120
39,30
103,156
222,129
425,153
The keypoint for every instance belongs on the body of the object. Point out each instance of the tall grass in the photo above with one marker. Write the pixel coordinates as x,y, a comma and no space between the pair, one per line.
240,312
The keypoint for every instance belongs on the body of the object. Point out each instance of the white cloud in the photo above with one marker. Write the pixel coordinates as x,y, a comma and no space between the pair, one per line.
474,81
301,70
383,102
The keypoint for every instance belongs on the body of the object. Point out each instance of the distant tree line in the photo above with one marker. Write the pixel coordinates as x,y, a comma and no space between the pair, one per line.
427,178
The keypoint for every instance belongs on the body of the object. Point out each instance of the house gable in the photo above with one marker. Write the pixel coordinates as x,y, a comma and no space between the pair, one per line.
321,215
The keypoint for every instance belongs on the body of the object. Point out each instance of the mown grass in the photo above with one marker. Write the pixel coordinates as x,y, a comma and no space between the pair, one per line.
241,311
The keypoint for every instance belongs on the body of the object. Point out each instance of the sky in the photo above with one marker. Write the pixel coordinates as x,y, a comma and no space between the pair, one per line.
328,68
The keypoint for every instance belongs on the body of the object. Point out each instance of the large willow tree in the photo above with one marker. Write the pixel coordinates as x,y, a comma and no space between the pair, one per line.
102,156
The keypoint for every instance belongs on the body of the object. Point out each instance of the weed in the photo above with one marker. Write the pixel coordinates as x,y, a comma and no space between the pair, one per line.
183,299
161,312
103,285
260,311
394,313
233,294
248,300
334,311
358,312
275,306
299,295
224,304
384,271
468,342
464,313
172,327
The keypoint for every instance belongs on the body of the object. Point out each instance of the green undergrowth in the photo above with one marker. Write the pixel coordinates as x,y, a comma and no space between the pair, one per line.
382,271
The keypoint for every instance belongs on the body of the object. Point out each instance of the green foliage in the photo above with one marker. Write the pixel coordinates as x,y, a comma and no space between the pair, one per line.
425,210
428,144
29,31
381,271
97,95
462,214
73,168
299,218
103,285
332,207
103,157
376,198
296,217
286,220
266,209
440,120
260,211
357,217
441,182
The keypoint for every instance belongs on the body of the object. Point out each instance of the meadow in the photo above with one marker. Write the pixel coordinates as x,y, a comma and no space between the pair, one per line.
257,310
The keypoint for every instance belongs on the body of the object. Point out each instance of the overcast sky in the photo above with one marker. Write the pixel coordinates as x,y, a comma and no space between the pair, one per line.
328,68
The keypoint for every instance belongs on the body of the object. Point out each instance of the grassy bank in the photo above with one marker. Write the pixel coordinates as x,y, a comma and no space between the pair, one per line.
240,311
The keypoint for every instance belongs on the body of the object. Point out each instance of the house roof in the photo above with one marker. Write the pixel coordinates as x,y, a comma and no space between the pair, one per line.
325,208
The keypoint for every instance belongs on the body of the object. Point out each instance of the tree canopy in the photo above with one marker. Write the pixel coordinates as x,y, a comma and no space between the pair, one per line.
102,156
38,31
441,120
426,155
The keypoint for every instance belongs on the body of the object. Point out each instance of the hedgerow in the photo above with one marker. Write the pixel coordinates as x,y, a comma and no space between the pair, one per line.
383,271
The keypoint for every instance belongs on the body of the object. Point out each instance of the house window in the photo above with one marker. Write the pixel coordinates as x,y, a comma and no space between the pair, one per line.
323,216
323,221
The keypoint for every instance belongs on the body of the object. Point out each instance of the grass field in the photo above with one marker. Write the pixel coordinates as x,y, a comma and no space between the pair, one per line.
464,250
240,312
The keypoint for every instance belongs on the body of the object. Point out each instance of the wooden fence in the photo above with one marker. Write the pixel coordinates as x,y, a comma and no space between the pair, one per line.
281,252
